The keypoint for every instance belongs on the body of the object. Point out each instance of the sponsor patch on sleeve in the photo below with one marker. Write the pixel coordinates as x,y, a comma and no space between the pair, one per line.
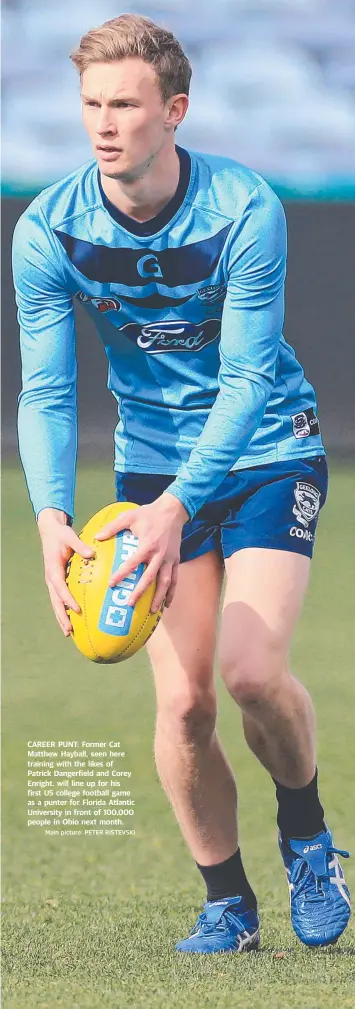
305,424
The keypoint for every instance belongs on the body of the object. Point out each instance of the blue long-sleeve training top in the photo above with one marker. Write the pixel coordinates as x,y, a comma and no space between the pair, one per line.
189,307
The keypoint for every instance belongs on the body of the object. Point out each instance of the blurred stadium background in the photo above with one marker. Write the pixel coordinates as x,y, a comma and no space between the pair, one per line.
274,87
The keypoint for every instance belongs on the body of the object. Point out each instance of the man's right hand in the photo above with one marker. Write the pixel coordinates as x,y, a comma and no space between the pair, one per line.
59,542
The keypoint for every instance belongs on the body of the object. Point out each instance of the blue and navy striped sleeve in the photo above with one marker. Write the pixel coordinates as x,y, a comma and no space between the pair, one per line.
47,418
251,330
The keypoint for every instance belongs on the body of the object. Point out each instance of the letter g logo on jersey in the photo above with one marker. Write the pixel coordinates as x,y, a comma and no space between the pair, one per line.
148,266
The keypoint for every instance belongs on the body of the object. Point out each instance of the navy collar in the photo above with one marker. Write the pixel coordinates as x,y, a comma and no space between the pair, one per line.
151,227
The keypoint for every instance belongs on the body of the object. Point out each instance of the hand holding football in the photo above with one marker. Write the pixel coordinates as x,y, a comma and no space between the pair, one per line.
108,629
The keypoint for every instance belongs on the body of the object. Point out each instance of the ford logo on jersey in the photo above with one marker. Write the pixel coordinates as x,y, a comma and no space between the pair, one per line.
156,337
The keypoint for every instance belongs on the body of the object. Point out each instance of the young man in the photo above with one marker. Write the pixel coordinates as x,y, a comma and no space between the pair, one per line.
179,259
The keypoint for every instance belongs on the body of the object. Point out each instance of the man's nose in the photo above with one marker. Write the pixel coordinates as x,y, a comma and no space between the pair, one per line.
105,122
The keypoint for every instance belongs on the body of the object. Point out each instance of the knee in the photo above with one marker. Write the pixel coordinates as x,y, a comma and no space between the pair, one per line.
189,712
252,670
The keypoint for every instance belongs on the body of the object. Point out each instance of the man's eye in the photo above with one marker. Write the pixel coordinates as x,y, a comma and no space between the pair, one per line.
118,105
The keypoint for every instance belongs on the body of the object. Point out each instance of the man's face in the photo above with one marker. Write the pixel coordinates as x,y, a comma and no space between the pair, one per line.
125,116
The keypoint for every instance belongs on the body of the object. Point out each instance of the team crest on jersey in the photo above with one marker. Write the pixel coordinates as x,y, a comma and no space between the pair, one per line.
307,502
159,337
212,293
102,304
300,425
305,424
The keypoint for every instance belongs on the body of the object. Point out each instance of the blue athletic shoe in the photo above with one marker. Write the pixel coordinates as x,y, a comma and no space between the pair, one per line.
225,926
319,896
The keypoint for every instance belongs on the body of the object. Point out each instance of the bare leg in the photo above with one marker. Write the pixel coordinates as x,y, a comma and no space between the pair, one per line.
280,752
191,764
263,598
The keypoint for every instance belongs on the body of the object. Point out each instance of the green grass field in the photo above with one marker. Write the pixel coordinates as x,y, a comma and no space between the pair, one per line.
90,923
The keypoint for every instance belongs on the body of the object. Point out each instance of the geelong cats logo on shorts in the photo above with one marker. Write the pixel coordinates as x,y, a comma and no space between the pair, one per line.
307,502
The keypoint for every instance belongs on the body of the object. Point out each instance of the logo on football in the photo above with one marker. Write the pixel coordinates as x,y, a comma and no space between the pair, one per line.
108,629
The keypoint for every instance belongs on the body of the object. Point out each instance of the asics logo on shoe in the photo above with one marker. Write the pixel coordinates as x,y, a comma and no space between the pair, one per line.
311,847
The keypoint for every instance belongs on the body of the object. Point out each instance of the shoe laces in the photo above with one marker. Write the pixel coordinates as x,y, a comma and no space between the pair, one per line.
305,879
206,927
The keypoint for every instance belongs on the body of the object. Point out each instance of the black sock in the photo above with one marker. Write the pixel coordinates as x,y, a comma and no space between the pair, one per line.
300,813
228,879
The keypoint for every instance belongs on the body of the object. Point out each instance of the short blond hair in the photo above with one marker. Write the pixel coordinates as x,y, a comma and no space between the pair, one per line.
132,35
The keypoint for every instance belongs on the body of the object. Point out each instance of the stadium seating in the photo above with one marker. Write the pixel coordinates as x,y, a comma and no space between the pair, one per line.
273,85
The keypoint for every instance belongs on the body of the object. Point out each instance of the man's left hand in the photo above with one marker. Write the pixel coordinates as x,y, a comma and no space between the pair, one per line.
158,528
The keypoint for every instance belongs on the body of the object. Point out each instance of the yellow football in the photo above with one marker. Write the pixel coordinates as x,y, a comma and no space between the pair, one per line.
108,629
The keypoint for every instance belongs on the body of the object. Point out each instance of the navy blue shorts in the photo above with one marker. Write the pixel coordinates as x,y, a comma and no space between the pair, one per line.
274,506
